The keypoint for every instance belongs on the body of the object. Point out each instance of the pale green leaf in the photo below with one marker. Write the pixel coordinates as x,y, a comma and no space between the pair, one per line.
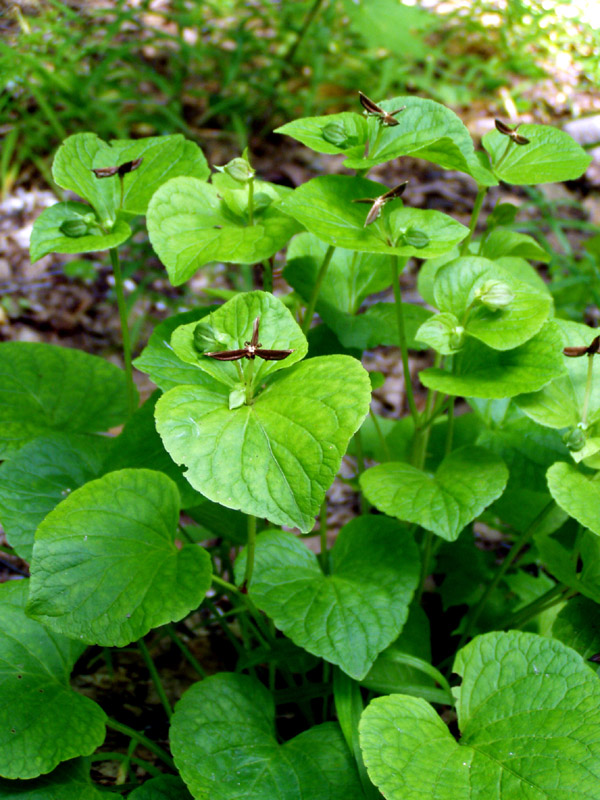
350,131
576,494
501,242
277,457
69,781
455,291
189,225
105,566
325,207
551,156
467,481
46,236
560,403
483,372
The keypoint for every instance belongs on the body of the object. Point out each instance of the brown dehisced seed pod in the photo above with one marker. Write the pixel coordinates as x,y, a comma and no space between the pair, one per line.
506,130
123,169
372,109
250,350
377,203
576,352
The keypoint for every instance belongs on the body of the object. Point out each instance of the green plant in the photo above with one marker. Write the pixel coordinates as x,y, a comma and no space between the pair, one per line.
247,434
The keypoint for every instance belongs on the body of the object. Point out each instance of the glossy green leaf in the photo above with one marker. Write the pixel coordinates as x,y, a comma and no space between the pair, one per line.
167,787
42,474
189,225
427,130
443,332
69,781
483,372
578,626
576,493
334,133
46,236
45,388
551,156
105,566
325,207
159,361
501,242
224,744
351,614
467,481
233,323
529,728
455,291
139,446
164,157
42,720
560,403
277,457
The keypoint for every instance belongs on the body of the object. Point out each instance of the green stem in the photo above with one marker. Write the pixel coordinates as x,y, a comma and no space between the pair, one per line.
425,561
250,548
402,339
588,391
323,534
381,437
122,306
139,737
189,657
481,193
550,598
254,612
251,201
515,552
312,303
146,765
314,10
267,275
450,426
155,677
365,506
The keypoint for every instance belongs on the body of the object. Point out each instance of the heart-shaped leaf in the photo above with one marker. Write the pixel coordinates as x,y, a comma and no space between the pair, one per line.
105,566
189,225
334,133
45,388
37,733
42,474
456,288
560,403
277,457
159,361
576,494
551,156
483,372
163,157
224,745
527,712
69,781
350,615
47,236
325,207
467,481
501,242
233,324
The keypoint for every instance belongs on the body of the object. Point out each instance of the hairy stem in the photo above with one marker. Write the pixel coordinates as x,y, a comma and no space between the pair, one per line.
139,737
402,339
481,193
250,549
155,677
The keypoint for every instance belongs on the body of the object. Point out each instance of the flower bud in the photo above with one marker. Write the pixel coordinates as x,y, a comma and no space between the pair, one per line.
574,439
74,228
239,169
495,295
